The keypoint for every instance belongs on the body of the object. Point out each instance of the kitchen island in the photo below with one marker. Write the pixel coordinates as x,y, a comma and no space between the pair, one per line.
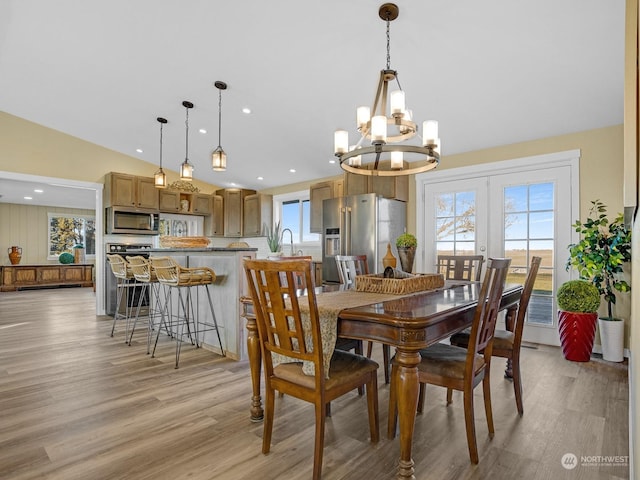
226,291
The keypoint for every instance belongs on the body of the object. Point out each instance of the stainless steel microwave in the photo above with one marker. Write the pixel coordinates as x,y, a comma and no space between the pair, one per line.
136,221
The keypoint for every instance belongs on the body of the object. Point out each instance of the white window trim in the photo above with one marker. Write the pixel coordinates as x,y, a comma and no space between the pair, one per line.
278,200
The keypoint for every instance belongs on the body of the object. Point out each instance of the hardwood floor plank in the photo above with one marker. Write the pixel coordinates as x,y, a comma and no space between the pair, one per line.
76,403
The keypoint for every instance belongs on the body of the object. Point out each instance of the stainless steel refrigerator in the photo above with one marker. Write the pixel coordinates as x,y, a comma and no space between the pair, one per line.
360,225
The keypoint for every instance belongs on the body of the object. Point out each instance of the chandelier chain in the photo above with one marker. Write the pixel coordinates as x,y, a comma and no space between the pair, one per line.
388,45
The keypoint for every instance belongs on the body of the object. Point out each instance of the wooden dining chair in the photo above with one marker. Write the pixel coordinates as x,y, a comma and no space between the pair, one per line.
457,368
299,280
280,328
460,267
507,343
350,266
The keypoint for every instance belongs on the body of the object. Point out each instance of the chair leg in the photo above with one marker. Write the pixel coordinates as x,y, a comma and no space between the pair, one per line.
517,383
369,349
269,404
392,421
421,395
386,358
470,424
449,396
372,407
486,390
319,443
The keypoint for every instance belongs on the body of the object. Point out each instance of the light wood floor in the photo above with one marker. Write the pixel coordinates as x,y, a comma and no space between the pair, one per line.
77,404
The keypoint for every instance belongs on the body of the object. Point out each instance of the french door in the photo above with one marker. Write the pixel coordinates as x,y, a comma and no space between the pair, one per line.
516,215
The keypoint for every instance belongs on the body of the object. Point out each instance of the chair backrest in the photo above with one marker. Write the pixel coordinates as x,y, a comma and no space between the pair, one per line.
166,269
277,310
349,266
524,301
300,283
119,266
141,268
460,267
486,314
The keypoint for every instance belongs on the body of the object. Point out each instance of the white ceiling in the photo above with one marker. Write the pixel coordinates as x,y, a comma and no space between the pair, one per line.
493,72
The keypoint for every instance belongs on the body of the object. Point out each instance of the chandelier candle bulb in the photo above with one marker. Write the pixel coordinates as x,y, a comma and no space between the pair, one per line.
379,129
430,132
396,160
397,103
357,160
363,115
341,141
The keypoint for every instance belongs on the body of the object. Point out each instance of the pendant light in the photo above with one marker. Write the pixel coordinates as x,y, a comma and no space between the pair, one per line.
160,178
218,157
186,169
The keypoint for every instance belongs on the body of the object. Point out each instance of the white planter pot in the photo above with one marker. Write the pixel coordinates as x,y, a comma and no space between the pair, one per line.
612,339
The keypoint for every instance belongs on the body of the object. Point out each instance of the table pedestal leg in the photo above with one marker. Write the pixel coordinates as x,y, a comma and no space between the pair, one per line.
255,363
407,385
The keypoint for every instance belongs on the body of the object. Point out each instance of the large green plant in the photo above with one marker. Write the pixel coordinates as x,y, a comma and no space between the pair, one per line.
603,250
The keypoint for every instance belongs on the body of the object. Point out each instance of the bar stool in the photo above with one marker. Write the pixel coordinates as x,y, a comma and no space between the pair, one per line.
177,277
126,280
145,275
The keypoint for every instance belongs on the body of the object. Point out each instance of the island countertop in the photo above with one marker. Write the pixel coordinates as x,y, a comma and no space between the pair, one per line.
197,249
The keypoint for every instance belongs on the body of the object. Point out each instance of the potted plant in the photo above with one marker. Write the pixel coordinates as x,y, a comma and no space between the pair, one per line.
578,302
274,239
599,258
406,245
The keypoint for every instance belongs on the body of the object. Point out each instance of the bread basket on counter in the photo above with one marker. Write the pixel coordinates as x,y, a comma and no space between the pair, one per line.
167,241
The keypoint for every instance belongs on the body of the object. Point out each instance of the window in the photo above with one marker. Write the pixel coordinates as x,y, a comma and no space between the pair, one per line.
294,212
66,231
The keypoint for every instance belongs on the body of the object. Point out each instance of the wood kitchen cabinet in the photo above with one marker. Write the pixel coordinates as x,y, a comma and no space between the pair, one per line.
217,227
389,187
258,210
200,204
233,207
317,193
126,190
169,201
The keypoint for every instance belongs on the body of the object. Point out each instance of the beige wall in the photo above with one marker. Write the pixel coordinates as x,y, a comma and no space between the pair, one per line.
26,147
27,228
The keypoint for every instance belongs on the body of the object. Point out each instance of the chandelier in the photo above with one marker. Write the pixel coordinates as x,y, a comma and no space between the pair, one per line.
186,169
388,124
160,178
218,157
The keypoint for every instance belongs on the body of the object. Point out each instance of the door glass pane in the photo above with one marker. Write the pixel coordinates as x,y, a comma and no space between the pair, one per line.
529,231
456,223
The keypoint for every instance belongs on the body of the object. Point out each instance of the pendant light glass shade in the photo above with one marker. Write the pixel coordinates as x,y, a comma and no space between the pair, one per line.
160,178
186,169
218,157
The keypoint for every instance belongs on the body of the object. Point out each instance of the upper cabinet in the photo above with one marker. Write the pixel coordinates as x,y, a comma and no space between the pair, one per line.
388,187
317,193
258,210
217,227
173,201
233,207
130,191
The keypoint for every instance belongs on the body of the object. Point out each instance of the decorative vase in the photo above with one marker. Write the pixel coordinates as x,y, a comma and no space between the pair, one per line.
184,205
389,260
79,255
15,255
406,255
577,333
612,339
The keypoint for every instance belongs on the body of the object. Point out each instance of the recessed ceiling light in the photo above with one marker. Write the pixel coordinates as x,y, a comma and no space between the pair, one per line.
292,170
37,190
332,161
28,198
139,150
232,184
202,130
260,178
246,110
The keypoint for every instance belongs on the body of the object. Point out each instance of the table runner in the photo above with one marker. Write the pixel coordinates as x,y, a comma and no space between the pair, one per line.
329,306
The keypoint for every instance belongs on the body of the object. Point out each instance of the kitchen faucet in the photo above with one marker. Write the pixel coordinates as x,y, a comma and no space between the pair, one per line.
291,236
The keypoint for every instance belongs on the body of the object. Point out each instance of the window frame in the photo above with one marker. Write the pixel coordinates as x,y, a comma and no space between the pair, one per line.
84,217
301,196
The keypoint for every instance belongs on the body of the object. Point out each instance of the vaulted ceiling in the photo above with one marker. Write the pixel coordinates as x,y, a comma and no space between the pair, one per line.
493,72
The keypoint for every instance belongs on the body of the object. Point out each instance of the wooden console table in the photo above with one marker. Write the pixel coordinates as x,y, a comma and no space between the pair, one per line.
18,277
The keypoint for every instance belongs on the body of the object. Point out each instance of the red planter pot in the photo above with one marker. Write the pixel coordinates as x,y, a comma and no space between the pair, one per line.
577,333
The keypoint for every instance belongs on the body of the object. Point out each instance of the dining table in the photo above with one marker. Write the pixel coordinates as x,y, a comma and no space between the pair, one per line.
408,323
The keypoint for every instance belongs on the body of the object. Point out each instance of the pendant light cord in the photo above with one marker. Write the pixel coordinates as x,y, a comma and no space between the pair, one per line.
161,125
186,155
219,117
